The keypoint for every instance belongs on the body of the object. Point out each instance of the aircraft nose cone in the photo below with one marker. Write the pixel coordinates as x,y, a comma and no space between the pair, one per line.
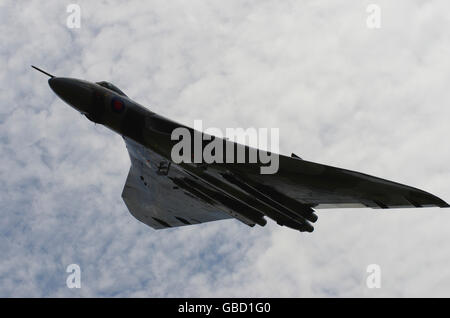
55,84
74,92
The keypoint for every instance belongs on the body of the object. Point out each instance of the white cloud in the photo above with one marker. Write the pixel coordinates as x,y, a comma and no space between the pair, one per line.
342,94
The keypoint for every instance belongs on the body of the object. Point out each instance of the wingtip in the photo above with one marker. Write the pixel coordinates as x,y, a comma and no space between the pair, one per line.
445,205
441,203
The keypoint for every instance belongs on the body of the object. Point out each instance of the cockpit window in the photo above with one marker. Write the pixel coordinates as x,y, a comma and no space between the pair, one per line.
112,87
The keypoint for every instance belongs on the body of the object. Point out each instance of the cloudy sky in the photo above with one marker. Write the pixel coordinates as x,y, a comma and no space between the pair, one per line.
371,100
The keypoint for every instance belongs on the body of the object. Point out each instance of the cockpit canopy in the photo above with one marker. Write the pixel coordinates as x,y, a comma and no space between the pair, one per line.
111,87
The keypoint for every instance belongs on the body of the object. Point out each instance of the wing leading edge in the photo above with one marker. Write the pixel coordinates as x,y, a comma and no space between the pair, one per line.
153,198
161,194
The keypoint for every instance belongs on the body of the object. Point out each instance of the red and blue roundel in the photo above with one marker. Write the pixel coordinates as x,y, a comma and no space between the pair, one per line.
117,105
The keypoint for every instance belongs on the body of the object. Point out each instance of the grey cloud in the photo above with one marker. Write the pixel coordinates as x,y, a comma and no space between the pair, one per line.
341,94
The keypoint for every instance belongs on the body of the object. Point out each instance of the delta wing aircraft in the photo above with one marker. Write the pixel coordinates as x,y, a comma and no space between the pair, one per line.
164,194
